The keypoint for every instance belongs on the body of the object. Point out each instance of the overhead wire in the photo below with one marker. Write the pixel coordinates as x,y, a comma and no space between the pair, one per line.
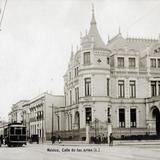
140,18
1,20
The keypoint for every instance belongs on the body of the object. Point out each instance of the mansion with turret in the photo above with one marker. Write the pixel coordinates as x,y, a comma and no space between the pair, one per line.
117,83
111,87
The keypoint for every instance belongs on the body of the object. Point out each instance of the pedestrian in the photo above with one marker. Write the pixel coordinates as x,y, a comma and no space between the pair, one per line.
111,140
99,139
59,139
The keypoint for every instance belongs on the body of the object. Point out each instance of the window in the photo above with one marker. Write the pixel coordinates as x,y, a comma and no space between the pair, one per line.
132,87
58,123
87,86
87,58
158,63
23,130
18,130
153,88
65,98
76,72
70,97
107,86
12,130
122,117
159,87
120,62
132,62
153,63
77,95
107,60
109,114
121,88
42,113
88,114
133,117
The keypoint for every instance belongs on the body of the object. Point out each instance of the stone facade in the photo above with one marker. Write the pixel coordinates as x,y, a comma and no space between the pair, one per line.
42,116
38,115
118,82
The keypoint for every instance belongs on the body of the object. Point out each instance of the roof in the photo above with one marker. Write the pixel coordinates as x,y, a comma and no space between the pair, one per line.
93,34
139,44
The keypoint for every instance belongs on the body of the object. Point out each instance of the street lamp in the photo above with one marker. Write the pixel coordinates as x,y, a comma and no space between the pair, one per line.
57,122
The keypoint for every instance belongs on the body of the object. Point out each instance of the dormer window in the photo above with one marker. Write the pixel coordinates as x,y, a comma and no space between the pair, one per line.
132,62
121,62
87,60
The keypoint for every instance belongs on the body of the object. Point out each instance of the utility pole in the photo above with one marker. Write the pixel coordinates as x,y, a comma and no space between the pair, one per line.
52,106
52,123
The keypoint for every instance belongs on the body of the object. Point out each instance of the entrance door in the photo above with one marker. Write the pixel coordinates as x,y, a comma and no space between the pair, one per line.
156,116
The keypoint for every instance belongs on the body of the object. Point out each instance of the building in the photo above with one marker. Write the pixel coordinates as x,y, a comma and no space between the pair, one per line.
117,82
3,124
16,114
26,117
38,115
42,117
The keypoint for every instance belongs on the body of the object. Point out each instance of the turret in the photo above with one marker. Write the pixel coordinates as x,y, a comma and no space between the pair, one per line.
92,38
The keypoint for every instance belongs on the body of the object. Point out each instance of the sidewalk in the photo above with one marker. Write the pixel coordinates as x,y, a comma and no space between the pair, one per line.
136,142
115,143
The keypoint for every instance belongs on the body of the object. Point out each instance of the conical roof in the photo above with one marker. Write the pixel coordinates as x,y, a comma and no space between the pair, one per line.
93,34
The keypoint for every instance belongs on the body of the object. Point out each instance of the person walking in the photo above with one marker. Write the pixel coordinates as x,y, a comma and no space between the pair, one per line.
111,140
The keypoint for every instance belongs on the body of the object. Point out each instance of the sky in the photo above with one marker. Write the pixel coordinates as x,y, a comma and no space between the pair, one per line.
36,38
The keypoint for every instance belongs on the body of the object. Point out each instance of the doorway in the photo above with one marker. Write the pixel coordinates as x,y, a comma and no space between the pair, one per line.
156,116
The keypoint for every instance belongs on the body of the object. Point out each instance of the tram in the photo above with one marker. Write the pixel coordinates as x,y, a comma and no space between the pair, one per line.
15,135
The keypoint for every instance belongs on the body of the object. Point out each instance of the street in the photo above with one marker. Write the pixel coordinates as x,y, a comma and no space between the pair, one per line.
85,152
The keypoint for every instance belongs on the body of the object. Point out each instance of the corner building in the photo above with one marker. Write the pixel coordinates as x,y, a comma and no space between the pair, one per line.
117,82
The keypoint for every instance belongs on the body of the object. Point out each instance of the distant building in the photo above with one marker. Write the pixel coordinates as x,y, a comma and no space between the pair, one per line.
26,117
38,114
117,82
3,123
41,115
16,114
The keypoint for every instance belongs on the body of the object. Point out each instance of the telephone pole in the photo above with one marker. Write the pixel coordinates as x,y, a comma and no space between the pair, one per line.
52,106
52,123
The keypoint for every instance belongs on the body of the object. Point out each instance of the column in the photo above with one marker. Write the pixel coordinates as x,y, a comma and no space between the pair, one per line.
157,89
137,116
127,117
87,133
109,131
117,117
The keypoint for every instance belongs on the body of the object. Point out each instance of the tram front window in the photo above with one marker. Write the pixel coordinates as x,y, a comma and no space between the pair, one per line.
24,130
11,130
18,130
